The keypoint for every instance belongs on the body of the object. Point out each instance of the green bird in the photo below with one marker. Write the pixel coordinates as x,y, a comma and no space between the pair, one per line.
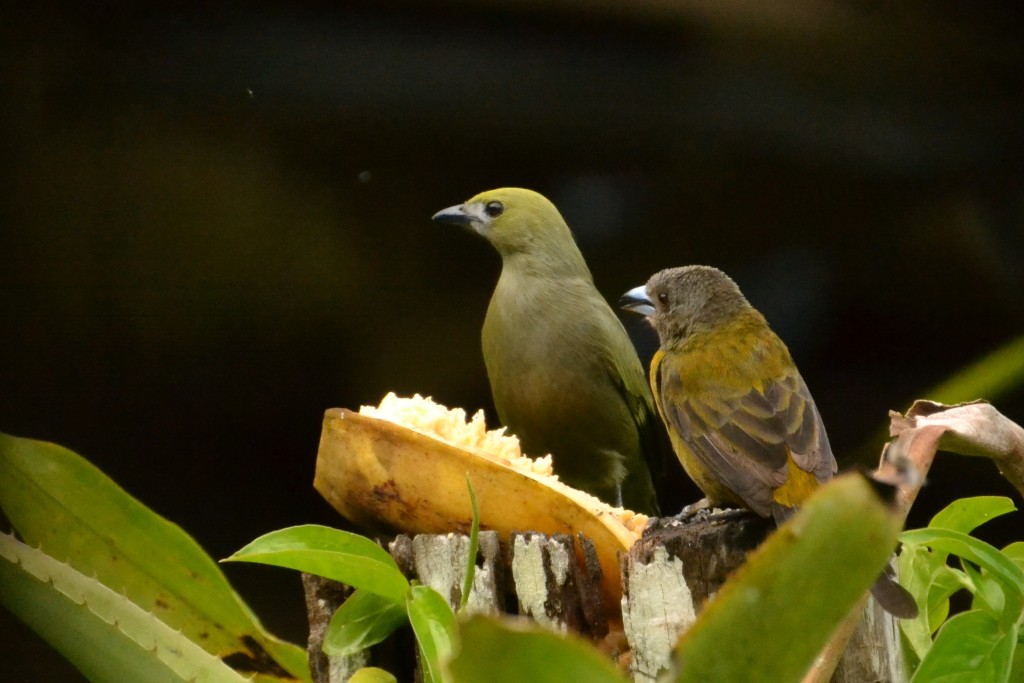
741,419
563,372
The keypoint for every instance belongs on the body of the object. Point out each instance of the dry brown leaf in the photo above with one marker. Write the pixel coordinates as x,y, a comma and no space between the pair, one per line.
975,428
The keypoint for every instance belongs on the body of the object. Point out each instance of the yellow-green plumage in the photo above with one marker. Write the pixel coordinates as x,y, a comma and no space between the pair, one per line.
741,420
740,417
564,375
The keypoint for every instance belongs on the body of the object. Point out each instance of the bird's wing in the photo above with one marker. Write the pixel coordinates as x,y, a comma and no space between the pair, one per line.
744,437
652,441
625,372
798,418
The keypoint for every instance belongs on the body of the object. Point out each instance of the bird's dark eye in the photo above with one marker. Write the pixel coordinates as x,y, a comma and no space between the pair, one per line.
494,209
663,299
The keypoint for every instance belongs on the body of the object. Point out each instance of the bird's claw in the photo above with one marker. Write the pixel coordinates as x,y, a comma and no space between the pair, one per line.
704,510
694,511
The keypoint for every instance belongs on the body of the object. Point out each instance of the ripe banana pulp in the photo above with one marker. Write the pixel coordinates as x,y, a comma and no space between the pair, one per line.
382,475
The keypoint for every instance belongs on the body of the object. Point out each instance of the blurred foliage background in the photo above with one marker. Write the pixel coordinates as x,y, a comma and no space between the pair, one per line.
216,217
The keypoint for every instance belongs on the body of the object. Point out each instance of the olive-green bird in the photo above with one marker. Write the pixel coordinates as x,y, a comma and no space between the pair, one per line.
564,375
740,417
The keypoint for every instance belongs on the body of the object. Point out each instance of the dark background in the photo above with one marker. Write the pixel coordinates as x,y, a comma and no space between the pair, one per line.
214,219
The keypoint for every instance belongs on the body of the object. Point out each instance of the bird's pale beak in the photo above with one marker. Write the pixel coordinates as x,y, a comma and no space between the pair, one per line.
637,301
454,215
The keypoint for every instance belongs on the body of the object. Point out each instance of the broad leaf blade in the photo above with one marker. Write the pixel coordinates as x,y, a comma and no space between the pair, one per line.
987,592
334,554
925,575
517,651
63,504
978,552
1015,551
362,621
970,647
371,674
106,636
967,514
945,583
433,622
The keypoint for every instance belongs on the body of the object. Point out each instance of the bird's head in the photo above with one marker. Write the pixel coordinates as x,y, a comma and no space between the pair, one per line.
517,222
679,302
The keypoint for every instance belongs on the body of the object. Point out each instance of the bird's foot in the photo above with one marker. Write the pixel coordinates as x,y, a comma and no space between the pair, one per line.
704,510
701,511
694,511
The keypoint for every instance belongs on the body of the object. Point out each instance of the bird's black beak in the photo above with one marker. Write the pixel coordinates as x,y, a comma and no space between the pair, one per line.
453,215
637,301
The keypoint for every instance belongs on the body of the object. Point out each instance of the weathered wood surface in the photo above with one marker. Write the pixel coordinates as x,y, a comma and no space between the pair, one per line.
667,577
872,654
671,572
439,561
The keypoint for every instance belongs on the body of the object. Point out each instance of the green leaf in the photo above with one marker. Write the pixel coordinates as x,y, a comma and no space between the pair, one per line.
969,648
773,616
474,545
334,554
987,592
1015,551
514,651
433,622
931,582
1017,672
362,621
967,514
371,674
979,552
101,632
64,505
945,582
991,376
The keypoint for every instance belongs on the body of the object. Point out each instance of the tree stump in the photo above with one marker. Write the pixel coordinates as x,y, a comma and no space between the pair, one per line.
667,577
670,573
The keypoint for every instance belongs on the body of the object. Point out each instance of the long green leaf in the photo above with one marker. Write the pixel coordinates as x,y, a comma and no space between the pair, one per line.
971,647
433,622
987,593
989,377
945,583
105,635
771,619
331,553
967,514
979,552
517,652
64,505
362,621
474,545
1017,671
994,587
931,582
1015,551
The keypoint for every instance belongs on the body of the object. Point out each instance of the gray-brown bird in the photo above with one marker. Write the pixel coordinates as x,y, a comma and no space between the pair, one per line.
741,419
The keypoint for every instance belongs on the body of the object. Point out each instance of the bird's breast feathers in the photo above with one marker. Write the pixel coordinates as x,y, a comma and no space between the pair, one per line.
742,420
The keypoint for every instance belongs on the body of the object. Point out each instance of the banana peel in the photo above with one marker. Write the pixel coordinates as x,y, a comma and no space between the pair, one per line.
382,475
